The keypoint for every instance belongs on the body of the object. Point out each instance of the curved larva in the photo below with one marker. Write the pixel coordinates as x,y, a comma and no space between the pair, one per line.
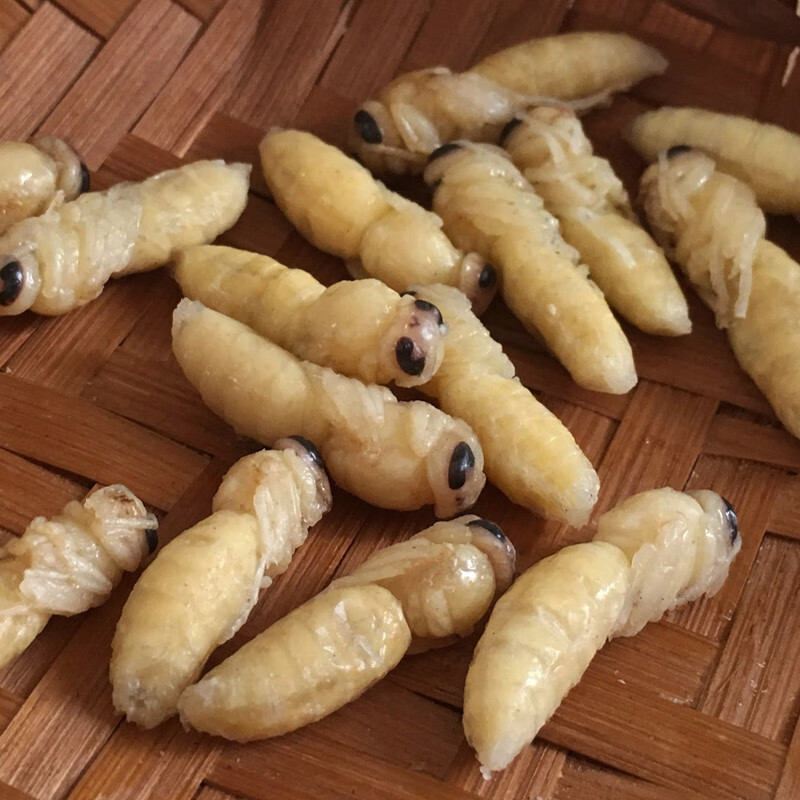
551,149
530,455
391,454
488,206
680,546
202,586
766,157
573,65
445,577
32,175
767,341
70,563
713,227
656,550
62,259
362,329
421,110
540,638
307,665
709,223
341,209
433,587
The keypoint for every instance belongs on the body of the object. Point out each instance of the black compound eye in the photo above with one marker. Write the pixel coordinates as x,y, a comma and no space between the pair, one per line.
12,279
461,462
486,524
86,178
733,521
409,357
424,305
677,149
443,150
152,540
510,126
367,127
488,277
315,454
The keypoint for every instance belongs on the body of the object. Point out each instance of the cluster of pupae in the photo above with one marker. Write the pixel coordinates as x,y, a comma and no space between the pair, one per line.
521,204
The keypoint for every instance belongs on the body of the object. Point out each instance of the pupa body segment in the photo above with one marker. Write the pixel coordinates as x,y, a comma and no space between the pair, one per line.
595,216
530,455
392,454
361,328
487,205
710,223
70,563
341,209
419,111
651,553
420,593
202,586
62,260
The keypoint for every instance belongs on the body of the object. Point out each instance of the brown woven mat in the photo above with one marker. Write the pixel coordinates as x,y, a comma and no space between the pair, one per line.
701,705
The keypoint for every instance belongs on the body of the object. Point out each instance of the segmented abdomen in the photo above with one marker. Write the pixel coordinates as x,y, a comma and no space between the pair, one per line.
328,197
395,455
572,65
539,640
488,206
70,563
767,341
676,549
710,223
187,206
305,666
766,157
445,587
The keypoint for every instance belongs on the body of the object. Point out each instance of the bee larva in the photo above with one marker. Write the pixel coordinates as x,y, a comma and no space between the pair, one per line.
307,665
595,216
530,455
341,209
767,341
488,206
435,587
419,111
574,65
63,259
202,586
655,551
540,638
445,577
362,328
709,222
680,546
32,175
70,563
391,454
766,157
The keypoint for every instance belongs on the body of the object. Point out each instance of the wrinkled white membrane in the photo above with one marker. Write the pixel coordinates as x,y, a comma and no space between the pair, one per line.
76,558
715,244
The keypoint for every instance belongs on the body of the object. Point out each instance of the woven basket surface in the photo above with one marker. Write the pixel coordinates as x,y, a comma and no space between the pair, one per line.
703,704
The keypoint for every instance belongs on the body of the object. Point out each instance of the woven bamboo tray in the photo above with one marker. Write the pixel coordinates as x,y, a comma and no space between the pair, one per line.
704,704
